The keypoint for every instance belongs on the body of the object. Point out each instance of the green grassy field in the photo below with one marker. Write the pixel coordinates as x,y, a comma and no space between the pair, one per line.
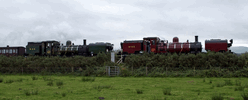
119,88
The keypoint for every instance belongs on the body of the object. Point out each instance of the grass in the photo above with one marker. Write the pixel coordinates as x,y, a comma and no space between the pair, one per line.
88,79
138,91
217,97
167,91
1,80
121,88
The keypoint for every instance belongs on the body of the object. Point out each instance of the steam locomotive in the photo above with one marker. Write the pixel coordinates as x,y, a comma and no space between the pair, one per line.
154,44
53,48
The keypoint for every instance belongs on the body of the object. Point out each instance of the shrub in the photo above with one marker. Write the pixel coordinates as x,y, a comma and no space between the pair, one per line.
167,91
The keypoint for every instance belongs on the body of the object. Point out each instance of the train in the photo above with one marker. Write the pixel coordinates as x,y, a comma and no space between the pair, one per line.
155,45
148,44
54,48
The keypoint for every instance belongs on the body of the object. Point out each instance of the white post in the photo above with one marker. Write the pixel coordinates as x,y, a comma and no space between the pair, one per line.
113,57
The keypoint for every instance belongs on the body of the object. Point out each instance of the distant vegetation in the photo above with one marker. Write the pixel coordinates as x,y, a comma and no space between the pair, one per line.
208,64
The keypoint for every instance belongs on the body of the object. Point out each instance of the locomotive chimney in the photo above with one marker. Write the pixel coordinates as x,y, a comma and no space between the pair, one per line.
196,38
84,41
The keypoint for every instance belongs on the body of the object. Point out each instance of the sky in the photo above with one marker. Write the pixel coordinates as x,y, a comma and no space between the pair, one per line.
114,21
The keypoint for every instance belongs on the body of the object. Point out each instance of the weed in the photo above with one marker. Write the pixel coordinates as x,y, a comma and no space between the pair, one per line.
138,91
237,83
9,81
204,80
19,80
63,94
210,81
35,92
212,87
244,96
198,93
59,83
47,78
32,92
87,79
167,91
102,87
50,83
34,77
228,82
239,88
1,80
217,97
28,93
219,85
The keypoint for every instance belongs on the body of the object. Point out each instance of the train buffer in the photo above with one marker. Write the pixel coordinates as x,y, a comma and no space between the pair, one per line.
113,70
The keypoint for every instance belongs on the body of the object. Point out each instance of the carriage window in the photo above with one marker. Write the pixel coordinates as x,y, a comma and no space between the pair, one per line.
10,50
3,50
14,51
7,51
153,42
0,51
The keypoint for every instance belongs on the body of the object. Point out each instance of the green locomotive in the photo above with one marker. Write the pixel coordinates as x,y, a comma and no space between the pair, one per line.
53,48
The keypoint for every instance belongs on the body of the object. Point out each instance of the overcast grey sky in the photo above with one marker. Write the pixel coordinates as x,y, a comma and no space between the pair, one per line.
114,21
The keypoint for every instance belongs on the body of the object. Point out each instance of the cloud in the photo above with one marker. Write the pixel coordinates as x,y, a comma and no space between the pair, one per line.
114,21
